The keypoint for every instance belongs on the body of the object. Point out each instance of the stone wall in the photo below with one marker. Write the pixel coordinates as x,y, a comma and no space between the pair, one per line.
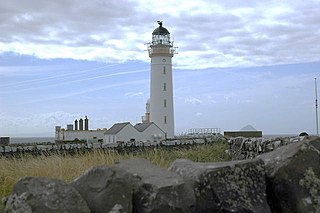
241,148
284,180
18,150
247,134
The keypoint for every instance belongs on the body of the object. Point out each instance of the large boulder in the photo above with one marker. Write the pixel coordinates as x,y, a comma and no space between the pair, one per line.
234,186
105,189
156,189
41,194
293,177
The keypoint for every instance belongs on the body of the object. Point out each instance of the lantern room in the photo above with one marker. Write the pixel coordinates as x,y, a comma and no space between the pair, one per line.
161,35
161,44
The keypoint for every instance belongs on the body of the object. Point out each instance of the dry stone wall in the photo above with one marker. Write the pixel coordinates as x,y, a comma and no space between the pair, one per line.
18,150
284,180
241,148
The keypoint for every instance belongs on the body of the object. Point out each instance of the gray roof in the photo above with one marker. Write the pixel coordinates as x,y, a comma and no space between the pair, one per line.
142,126
119,126
116,128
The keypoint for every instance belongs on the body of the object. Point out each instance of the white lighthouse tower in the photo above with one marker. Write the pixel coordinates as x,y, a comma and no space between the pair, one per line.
161,51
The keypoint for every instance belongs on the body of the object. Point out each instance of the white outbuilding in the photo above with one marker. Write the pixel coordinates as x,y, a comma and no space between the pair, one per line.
79,132
126,132
150,132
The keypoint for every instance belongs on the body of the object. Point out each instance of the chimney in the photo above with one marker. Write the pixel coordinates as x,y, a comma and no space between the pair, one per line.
80,124
86,123
76,124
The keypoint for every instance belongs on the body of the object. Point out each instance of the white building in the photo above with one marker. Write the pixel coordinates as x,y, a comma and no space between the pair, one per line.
81,133
161,51
126,132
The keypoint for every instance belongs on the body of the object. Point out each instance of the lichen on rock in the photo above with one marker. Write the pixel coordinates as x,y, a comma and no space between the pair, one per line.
311,182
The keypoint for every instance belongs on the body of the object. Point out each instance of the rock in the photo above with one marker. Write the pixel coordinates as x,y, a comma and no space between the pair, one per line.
234,186
156,189
17,204
41,194
293,177
105,189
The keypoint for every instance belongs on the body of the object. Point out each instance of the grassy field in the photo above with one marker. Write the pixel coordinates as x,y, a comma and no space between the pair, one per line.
67,167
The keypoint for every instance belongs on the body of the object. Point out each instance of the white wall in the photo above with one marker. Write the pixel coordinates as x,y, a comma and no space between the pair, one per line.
110,139
125,134
158,95
59,135
148,134
81,135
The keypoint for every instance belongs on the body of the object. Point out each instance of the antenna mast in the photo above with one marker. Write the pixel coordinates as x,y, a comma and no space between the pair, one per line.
316,90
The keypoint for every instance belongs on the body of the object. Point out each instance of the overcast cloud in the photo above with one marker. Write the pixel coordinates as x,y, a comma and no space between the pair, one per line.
208,33
239,63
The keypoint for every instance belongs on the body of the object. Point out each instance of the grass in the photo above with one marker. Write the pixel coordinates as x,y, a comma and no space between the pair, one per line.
67,167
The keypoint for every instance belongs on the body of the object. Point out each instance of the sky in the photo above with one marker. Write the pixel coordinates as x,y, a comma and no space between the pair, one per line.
238,63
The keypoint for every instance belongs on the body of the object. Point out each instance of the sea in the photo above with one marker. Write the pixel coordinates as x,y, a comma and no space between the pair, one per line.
17,140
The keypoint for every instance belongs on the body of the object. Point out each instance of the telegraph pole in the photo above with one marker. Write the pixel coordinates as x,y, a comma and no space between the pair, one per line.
316,91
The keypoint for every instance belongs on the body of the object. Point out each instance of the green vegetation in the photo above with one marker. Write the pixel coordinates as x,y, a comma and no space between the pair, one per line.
67,167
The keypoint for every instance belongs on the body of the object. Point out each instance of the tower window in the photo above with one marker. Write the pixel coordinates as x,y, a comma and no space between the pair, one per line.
164,70
165,120
164,87
165,103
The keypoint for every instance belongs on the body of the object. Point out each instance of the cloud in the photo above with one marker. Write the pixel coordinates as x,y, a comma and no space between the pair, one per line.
42,124
134,94
230,96
248,101
35,123
85,91
193,101
62,82
208,33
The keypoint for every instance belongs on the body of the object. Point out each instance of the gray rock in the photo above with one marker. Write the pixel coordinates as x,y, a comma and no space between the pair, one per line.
40,194
156,189
234,186
293,177
105,189
17,204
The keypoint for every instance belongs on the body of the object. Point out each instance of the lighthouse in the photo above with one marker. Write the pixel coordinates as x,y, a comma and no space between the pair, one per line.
161,51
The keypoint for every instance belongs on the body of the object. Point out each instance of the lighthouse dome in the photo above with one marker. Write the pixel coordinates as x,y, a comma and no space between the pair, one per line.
160,30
